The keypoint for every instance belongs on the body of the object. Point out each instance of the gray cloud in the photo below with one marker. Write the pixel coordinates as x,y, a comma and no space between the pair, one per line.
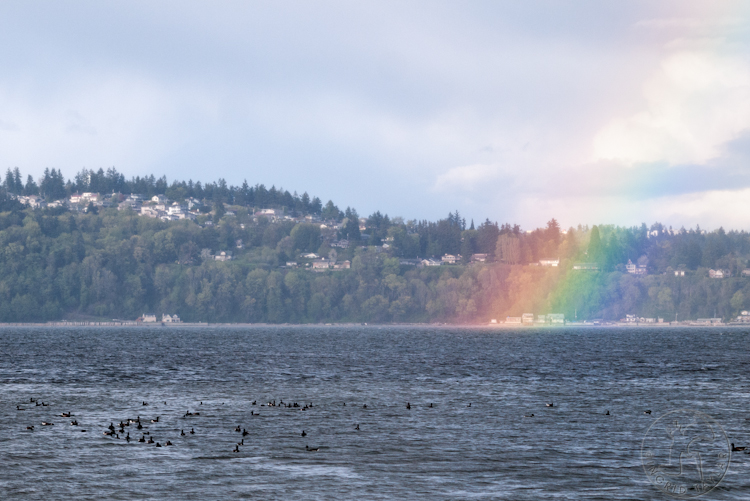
372,105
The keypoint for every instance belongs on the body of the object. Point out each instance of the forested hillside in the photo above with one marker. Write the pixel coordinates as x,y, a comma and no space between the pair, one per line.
108,263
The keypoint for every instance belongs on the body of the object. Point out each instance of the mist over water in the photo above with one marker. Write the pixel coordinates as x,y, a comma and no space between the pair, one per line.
488,450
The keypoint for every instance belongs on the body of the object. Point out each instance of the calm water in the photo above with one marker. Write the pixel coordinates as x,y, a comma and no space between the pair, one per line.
449,451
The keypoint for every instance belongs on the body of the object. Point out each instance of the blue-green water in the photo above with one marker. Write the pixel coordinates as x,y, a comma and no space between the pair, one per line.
449,450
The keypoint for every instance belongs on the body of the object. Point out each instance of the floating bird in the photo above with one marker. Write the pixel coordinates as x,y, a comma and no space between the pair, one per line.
192,431
74,422
30,428
244,432
550,404
150,440
142,439
430,405
238,429
303,433
312,450
528,415
155,420
65,414
647,412
144,403
357,427
182,433
168,443
607,413
408,405
158,444
469,405
127,438
236,448
19,408
738,449
364,406
45,423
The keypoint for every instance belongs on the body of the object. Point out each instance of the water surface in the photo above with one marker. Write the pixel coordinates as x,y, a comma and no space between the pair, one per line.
487,450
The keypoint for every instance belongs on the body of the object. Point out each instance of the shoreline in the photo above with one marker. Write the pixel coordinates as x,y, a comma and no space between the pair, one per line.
498,326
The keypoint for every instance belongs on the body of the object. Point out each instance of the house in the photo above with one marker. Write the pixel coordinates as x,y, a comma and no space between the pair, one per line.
550,262
266,212
527,318
33,201
342,244
679,273
744,317
479,258
175,209
556,318
586,266
430,262
321,265
147,319
310,255
291,264
513,320
636,269
343,266
223,256
174,319
719,273
159,199
746,272
239,244
450,259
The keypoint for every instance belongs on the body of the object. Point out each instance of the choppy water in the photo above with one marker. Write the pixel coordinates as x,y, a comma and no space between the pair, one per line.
449,451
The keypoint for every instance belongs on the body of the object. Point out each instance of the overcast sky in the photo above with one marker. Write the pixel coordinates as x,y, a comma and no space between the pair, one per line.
590,112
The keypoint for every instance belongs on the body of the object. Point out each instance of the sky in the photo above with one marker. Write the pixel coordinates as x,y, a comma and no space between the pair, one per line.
590,112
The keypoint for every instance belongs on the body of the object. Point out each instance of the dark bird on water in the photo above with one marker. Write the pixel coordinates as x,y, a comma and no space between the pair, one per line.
550,404
408,405
647,412
311,449
182,432
528,415
303,433
469,405
192,431
30,428
607,413
144,403
738,449
357,427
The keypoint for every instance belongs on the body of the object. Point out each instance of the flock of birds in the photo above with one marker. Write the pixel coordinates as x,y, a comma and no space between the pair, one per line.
119,431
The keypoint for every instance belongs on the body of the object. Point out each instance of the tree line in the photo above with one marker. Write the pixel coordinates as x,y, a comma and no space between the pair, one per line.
115,264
